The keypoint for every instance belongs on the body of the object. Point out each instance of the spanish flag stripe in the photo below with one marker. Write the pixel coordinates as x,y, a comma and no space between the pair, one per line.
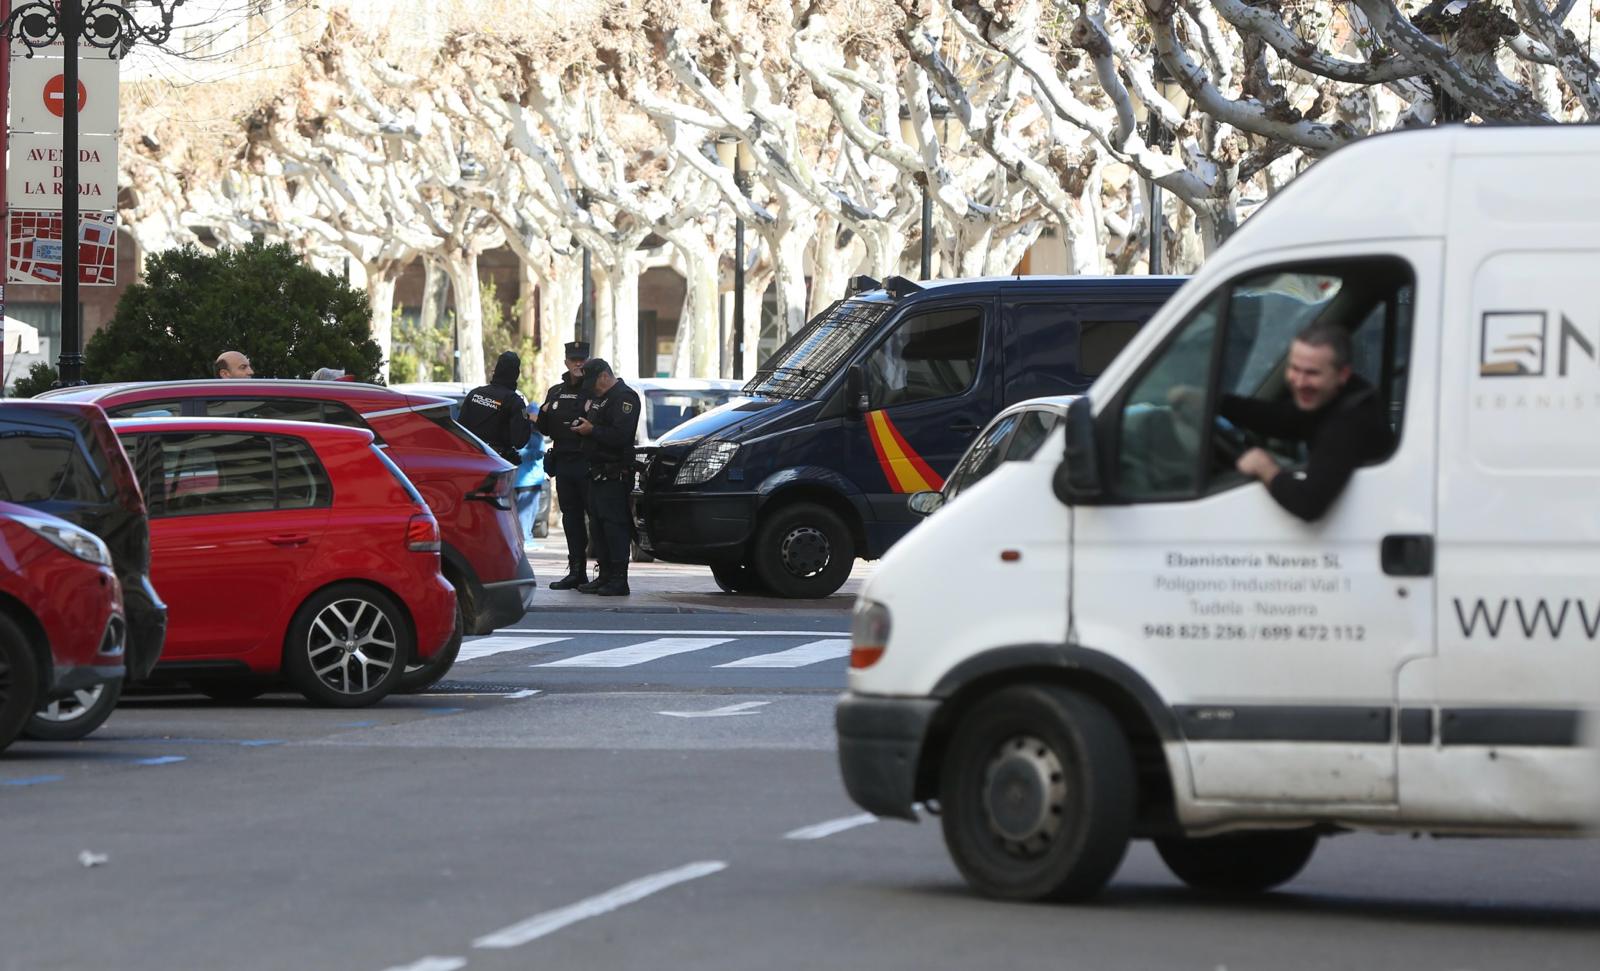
905,470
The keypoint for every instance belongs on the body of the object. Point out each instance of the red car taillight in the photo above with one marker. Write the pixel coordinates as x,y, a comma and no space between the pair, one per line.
422,533
495,489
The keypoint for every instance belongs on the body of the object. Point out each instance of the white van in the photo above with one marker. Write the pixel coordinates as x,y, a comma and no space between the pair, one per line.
1138,642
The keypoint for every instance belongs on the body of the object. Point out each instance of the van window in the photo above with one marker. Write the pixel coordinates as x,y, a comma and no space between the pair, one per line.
928,356
207,472
1168,444
806,361
1100,341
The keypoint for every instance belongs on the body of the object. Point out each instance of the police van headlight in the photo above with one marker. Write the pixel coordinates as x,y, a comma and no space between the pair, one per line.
705,462
69,538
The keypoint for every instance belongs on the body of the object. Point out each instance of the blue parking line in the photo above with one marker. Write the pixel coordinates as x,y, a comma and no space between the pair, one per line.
32,780
161,760
443,711
245,742
356,725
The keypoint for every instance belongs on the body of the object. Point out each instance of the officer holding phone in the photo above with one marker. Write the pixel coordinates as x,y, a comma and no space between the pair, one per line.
564,406
608,431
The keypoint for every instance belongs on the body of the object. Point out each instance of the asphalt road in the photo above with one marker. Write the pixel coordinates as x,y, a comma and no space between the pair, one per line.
654,791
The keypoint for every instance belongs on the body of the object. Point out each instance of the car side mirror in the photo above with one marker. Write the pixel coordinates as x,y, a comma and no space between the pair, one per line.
1077,478
925,503
856,402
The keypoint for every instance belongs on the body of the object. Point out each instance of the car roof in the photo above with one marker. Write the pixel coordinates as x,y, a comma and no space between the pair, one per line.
685,384
314,431
19,407
1054,402
347,391
1084,286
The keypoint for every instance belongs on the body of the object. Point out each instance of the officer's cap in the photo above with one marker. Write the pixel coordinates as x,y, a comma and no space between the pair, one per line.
577,350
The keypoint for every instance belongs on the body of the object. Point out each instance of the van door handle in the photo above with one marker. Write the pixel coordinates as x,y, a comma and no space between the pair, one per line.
1405,555
289,539
965,428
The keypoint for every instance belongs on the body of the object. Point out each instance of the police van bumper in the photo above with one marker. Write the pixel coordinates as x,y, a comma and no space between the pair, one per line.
695,528
880,747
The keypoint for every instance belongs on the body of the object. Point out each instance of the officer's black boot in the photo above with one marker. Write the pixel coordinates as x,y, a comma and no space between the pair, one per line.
616,584
595,585
577,575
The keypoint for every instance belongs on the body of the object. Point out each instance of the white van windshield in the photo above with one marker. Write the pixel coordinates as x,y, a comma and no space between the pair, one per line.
807,360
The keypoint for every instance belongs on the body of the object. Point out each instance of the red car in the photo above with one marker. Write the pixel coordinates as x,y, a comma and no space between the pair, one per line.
466,485
61,621
285,548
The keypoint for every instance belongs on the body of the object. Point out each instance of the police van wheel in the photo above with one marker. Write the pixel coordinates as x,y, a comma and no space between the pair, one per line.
735,578
803,551
1037,791
1239,862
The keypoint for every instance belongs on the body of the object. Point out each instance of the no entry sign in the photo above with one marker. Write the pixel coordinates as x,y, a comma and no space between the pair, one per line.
37,95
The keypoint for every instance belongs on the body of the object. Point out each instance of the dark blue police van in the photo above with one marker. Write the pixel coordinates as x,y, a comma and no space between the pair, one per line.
875,398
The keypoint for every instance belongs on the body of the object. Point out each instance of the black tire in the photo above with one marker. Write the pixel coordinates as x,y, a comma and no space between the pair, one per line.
803,551
420,677
19,681
330,672
232,692
1057,767
639,555
1249,862
70,719
736,578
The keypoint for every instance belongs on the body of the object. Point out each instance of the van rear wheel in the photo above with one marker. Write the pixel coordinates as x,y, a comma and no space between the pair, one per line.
736,578
1248,862
803,551
1037,794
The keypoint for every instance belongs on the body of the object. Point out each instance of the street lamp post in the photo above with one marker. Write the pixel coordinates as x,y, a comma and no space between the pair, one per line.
940,110
733,153
586,305
99,23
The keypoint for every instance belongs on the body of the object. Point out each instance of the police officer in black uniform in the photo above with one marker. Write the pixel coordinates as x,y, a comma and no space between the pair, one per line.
608,437
564,404
496,413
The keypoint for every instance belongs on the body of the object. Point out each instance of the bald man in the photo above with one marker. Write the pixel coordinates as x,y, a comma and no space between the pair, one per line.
232,364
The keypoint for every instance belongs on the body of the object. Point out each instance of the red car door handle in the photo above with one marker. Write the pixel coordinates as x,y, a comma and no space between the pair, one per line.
289,539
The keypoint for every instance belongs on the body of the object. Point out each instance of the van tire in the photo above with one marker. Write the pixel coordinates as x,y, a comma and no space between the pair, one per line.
76,717
1249,862
1058,767
337,605
19,680
803,551
736,578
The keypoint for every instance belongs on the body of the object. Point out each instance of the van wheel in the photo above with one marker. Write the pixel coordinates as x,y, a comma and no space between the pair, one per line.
803,551
420,677
736,578
1239,862
348,646
75,716
19,680
1037,791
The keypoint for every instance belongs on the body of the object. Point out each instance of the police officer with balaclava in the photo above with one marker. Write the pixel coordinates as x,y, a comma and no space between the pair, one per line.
497,413
564,404
608,438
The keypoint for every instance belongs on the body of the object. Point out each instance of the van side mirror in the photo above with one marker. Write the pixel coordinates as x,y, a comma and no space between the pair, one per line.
925,503
1077,478
856,402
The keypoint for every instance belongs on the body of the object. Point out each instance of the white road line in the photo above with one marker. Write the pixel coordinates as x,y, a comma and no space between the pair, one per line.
499,644
432,964
525,693
640,653
539,925
689,633
796,657
743,708
830,827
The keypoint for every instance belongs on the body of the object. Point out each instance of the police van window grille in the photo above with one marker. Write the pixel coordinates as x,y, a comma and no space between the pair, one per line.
803,365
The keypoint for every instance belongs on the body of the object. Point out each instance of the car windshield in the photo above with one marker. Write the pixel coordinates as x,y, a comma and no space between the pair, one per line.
666,410
807,360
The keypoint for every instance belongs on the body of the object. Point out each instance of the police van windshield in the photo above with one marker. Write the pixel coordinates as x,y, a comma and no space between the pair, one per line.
807,360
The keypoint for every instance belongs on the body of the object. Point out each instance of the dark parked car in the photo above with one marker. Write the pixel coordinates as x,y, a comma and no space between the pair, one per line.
63,459
467,486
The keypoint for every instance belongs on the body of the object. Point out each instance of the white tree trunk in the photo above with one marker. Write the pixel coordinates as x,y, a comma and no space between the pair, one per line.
528,301
831,266
789,272
462,269
433,292
380,295
602,343
560,295
623,283
695,353
755,293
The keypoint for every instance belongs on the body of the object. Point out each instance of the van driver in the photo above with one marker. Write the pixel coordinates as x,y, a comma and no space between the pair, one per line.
1332,410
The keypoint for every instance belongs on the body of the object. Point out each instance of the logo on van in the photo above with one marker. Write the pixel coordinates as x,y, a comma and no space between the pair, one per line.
1515,345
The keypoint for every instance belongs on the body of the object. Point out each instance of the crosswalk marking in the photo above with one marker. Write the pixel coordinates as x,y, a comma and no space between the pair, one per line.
499,644
682,633
640,653
795,657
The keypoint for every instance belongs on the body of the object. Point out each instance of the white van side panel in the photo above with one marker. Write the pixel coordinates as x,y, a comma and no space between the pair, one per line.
1518,548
